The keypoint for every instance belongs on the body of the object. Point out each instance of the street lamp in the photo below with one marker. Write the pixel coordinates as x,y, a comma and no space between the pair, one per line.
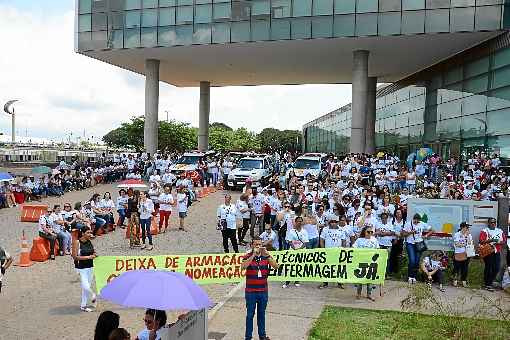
167,116
9,109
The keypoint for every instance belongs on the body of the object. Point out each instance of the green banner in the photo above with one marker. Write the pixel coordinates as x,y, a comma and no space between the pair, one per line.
345,265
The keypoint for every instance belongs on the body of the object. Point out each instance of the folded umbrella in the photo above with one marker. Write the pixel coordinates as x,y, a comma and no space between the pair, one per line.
162,290
132,183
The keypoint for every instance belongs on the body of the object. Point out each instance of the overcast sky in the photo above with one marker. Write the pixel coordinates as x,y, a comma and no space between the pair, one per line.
62,92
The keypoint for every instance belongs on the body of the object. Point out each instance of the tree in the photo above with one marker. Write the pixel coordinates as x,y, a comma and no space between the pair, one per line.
176,136
217,125
274,139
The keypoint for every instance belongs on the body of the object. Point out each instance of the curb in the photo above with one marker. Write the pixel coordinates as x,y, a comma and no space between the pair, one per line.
219,305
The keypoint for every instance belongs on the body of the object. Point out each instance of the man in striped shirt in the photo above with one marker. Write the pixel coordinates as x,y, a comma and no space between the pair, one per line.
257,263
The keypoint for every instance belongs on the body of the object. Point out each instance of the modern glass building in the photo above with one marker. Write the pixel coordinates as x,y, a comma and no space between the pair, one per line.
456,107
273,42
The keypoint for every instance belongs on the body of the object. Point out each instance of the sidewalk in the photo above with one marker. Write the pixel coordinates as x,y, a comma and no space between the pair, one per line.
291,312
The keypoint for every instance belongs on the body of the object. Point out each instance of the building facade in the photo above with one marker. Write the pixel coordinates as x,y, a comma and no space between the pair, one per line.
208,43
456,107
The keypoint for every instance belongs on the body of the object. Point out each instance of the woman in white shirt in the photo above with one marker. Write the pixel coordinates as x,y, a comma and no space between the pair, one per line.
166,200
433,269
366,240
122,201
146,208
412,232
397,242
463,244
411,180
108,206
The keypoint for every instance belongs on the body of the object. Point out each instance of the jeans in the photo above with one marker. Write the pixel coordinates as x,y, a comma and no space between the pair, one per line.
491,269
86,277
433,172
122,216
313,243
410,187
256,300
394,259
229,234
100,223
64,238
244,229
164,215
393,186
145,224
413,257
460,268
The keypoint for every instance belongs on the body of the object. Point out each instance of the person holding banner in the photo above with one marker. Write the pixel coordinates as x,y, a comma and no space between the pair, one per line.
298,239
257,263
415,244
366,240
333,237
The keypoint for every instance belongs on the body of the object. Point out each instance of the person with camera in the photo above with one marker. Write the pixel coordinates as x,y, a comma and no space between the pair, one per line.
257,263
227,214
491,243
84,254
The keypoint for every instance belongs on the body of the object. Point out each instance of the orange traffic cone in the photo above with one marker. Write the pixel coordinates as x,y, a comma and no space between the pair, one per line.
24,258
205,191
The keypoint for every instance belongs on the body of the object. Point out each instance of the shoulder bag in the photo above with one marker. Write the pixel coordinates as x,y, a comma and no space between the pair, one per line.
486,249
419,246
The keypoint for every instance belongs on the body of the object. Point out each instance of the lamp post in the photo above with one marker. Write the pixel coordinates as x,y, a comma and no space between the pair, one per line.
167,116
9,109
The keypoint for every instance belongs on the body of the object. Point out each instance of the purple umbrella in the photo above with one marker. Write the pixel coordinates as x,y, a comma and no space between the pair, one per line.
162,290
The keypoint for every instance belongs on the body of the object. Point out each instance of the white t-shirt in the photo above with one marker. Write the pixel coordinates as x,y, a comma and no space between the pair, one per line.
107,204
431,264
257,202
166,201
297,239
460,241
366,243
182,202
265,236
384,240
241,205
312,230
333,237
228,213
419,228
144,335
121,201
146,209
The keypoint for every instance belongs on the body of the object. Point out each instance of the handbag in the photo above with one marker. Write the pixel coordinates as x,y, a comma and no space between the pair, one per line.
486,249
420,246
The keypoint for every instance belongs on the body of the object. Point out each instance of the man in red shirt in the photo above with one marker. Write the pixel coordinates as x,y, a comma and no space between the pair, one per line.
257,263
497,238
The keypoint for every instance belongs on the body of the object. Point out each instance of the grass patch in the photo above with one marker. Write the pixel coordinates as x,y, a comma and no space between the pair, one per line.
347,323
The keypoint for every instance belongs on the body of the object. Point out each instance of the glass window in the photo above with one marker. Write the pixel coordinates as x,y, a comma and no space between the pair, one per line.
149,3
149,18
167,36
186,2
301,28
85,6
500,77
416,117
116,39
99,40
322,27
85,41
476,67
301,8
477,84
166,3
132,38
437,20
474,104
501,58
389,23
280,29
344,25
498,122
366,24
84,23
240,10
260,8
488,18
203,14
99,22
184,35
450,110
415,134
449,128
221,33
431,4
281,8
167,16
322,7
132,19
345,6
473,126
462,3
389,5
116,5
221,12
149,37
499,99
453,75
202,34
364,6
402,120
99,6
133,4
240,31
260,30
462,19
413,22
115,20
413,4
184,15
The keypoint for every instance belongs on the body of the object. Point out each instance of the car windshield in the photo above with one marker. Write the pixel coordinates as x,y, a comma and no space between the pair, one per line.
307,164
188,160
250,164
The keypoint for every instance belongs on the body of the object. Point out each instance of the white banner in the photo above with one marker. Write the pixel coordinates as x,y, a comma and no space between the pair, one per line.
192,327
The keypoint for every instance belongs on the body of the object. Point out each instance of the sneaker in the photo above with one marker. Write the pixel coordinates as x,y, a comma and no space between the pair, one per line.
285,285
455,283
297,284
143,246
150,247
324,285
410,280
414,280
489,288
86,309
442,289
341,286
464,284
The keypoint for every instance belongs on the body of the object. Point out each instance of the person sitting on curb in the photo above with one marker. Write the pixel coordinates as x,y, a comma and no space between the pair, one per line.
432,267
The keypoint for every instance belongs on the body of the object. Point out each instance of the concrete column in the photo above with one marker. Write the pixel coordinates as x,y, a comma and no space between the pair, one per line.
150,131
370,125
359,101
203,121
